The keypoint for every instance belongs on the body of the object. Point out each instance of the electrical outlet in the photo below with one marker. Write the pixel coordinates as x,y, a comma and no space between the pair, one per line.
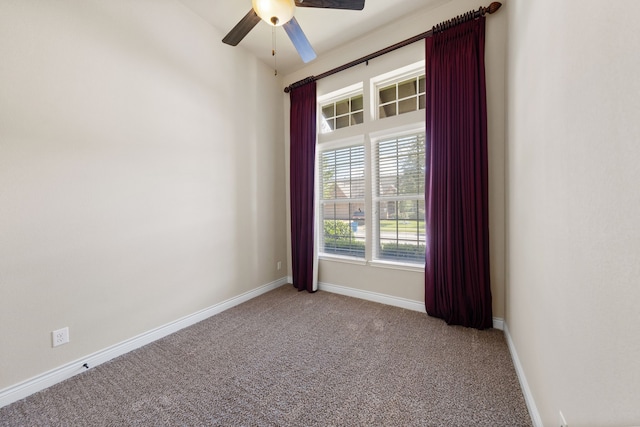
60,336
279,265
563,422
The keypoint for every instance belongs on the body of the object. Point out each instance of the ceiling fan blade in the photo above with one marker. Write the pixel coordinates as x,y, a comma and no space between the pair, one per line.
332,4
242,28
299,40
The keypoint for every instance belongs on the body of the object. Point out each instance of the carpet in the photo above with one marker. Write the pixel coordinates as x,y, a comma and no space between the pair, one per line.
289,358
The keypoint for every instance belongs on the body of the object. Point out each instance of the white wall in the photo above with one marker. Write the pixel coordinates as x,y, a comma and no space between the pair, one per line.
573,293
141,174
410,284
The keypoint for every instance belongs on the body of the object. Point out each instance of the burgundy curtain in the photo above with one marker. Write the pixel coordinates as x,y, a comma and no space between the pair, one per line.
302,162
457,284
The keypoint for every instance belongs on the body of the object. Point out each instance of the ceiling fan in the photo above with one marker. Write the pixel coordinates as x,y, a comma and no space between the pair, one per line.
280,13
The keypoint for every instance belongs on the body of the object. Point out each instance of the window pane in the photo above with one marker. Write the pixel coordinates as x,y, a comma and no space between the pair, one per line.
327,125
387,169
343,230
399,176
343,222
328,111
343,173
401,97
407,105
411,165
331,112
342,107
356,103
387,110
342,122
400,166
387,94
401,230
407,88
356,118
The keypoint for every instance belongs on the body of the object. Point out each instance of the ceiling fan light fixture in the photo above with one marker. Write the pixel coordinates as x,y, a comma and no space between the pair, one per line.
274,12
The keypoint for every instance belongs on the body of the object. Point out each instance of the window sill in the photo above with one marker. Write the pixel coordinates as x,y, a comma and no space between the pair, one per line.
376,264
343,259
397,265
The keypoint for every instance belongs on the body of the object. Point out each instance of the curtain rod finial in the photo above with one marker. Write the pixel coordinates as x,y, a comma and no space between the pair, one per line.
493,7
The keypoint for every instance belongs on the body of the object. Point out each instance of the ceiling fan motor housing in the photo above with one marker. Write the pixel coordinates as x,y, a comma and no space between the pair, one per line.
280,13
274,12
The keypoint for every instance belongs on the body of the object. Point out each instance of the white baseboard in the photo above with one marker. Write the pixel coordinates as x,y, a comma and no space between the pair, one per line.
498,323
40,382
373,296
528,396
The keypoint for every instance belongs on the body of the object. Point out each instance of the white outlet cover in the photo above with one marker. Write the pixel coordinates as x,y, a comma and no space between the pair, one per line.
60,336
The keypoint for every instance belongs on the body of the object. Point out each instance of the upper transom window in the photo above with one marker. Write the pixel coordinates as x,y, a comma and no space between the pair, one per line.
399,97
342,113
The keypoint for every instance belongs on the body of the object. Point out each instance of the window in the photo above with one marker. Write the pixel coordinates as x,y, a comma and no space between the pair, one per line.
401,97
399,198
342,201
342,113
371,189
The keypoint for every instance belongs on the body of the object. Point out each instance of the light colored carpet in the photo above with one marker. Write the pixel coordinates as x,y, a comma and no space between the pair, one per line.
290,358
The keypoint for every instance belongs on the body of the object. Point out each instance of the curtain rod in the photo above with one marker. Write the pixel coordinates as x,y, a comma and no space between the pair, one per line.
493,7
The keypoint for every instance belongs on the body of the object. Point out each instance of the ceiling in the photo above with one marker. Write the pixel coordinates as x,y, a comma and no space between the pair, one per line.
326,29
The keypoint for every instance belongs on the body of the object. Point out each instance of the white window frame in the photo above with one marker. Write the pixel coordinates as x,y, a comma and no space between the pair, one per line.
375,138
321,202
371,129
393,78
334,97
